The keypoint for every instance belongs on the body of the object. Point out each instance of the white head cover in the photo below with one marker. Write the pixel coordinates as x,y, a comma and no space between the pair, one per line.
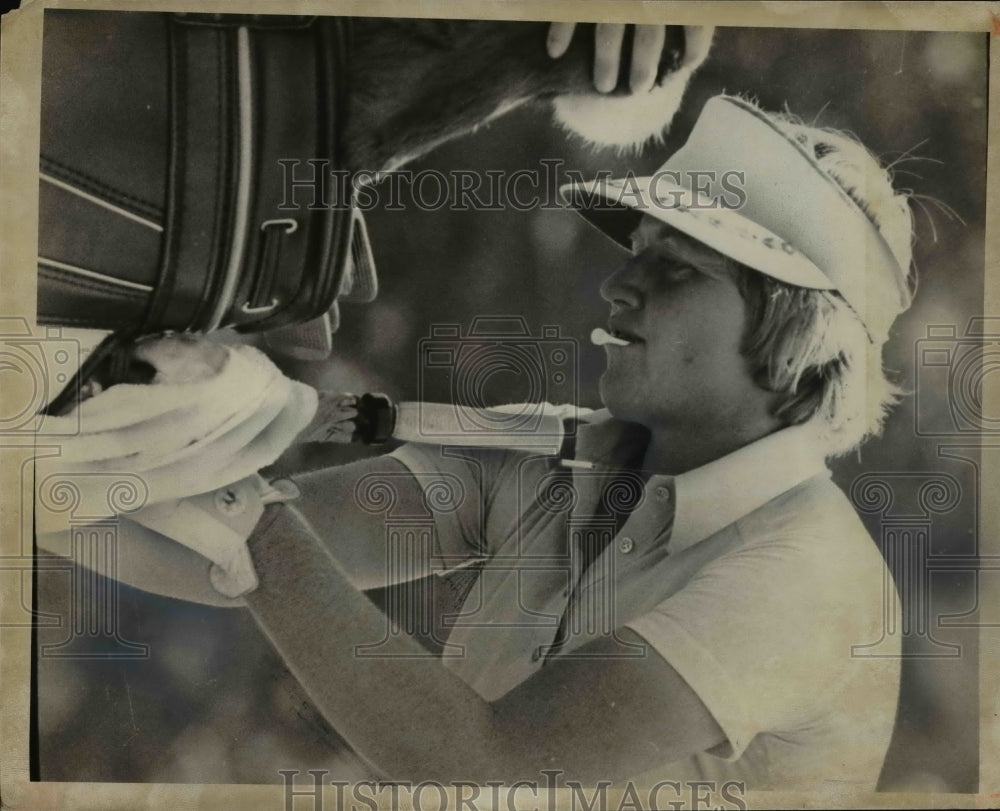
213,415
751,191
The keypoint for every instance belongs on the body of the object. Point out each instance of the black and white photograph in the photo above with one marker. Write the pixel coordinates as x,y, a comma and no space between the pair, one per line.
561,405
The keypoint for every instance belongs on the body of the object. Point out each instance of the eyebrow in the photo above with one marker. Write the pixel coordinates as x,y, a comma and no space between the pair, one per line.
666,236
699,256
664,233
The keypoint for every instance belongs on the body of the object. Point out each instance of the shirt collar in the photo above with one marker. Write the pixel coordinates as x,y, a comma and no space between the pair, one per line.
713,496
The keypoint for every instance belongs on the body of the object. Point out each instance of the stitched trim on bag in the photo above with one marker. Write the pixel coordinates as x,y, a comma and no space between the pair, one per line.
50,320
91,285
100,189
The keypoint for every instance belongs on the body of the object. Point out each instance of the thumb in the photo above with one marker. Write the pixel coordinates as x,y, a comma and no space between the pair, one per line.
182,358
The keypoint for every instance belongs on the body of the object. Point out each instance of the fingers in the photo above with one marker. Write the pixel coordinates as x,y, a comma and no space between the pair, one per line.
646,49
697,43
560,35
608,39
182,358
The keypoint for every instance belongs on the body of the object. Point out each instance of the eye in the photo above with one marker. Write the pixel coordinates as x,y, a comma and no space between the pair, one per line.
672,268
679,272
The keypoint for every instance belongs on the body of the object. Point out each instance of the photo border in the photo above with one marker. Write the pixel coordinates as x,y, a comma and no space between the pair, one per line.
20,93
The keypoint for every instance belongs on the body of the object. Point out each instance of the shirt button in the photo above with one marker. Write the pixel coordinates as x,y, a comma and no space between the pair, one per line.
536,655
626,545
663,493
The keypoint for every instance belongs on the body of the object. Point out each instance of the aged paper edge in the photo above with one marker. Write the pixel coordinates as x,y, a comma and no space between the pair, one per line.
20,69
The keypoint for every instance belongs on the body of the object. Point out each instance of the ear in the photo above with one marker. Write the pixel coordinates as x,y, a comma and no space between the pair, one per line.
629,122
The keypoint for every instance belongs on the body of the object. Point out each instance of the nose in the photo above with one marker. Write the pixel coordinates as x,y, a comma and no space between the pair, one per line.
623,288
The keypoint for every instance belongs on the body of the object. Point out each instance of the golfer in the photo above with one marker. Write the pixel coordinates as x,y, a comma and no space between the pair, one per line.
689,595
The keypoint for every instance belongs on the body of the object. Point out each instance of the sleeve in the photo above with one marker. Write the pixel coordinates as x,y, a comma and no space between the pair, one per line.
457,484
763,635
144,559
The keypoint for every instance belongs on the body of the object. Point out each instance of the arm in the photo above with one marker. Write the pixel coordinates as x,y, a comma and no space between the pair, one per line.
146,560
359,501
412,718
330,498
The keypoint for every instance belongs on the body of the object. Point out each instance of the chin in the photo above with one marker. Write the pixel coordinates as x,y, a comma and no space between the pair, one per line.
616,400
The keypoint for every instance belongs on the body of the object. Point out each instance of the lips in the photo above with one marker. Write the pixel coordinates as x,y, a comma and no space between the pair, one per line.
619,330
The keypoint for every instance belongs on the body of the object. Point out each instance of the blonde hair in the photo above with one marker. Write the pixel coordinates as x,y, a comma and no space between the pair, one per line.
808,345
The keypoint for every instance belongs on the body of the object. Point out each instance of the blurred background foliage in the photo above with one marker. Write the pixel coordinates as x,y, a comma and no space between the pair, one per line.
212,704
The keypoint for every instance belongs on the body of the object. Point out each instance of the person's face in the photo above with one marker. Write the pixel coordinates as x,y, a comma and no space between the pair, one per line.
679,306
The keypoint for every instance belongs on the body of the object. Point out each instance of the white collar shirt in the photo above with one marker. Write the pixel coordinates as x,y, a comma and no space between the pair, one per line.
734,572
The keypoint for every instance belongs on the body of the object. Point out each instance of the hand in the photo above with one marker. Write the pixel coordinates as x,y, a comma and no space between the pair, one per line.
215,414
647,47
182,358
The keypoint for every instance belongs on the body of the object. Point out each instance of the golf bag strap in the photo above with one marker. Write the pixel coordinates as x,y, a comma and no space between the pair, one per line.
235,251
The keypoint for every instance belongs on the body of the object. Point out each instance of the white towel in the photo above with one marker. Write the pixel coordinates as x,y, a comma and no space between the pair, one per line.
213,415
